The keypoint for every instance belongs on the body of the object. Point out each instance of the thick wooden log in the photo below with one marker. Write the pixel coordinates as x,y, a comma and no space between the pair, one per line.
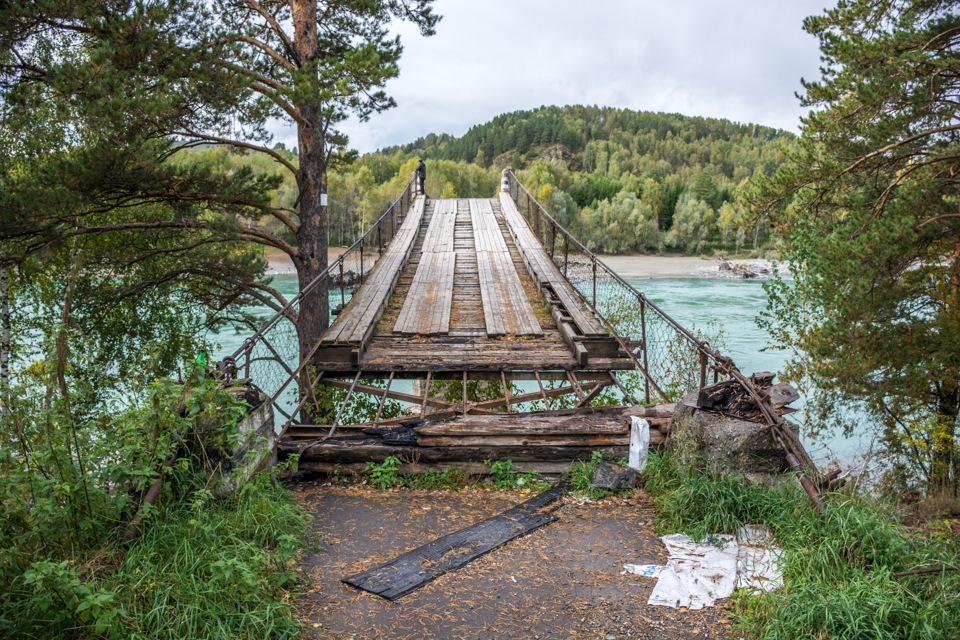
529,424
471,468
594,440
333,452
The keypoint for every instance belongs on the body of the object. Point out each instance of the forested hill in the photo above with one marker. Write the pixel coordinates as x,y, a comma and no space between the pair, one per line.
603,138
621,180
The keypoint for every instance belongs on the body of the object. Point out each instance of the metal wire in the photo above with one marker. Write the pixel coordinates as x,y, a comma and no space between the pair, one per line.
672,357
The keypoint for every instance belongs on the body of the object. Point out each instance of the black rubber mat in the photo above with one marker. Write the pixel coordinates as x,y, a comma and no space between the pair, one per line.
413,569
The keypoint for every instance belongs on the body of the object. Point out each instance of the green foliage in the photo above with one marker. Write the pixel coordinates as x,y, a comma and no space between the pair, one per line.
837,566
868,206
446,478
597,159
591,188
580,475
505,476
701,503
621,223
65,487
361,408
386,474
477,390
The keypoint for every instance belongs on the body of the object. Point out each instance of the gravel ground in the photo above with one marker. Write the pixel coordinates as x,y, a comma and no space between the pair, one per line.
561,581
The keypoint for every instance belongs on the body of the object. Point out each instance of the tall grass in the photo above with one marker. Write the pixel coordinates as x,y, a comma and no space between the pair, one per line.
838,567
210,568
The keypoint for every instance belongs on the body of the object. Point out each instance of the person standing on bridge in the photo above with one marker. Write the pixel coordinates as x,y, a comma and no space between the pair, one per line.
421,177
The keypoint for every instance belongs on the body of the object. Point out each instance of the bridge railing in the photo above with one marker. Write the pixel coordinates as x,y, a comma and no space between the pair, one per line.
271,355
673,359
670,360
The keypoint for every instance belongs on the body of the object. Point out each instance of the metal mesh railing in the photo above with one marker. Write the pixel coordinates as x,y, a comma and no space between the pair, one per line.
673,360
271,357
670,360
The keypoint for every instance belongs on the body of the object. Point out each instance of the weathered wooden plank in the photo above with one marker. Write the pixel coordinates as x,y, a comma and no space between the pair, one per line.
506,310
471,468
533,424
440,233
543,270
426,308
416,568
333,451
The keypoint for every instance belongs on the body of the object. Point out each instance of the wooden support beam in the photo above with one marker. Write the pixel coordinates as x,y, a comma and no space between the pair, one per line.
389,393
506,391
346,400
383,398
593,394
572,377
426,394
546,400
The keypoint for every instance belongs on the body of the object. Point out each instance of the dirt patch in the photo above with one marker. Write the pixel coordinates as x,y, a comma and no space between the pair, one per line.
561,581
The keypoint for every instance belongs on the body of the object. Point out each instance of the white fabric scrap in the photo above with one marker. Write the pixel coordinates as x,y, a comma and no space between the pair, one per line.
639,443
645,570
697,574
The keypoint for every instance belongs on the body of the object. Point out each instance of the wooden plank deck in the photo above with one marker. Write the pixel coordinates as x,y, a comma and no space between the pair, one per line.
544,271
439,238
426,308
506,309
415,339
356,322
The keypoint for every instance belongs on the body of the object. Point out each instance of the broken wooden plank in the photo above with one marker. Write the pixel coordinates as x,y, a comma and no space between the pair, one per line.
413,569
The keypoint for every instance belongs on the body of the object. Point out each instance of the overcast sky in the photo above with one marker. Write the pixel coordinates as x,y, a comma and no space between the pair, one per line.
735,59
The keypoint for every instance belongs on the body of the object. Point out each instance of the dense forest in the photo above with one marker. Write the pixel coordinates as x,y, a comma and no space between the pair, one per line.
620,180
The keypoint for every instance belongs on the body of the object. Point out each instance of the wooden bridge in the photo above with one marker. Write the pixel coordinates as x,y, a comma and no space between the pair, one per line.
465,287
498,332
466,293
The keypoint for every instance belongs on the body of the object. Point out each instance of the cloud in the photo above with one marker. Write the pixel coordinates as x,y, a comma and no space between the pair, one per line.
740,60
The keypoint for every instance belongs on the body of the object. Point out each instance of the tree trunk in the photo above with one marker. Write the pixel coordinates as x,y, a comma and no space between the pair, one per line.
314,234
944,455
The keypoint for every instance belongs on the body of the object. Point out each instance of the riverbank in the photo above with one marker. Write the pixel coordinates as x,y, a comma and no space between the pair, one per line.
280,264
629,267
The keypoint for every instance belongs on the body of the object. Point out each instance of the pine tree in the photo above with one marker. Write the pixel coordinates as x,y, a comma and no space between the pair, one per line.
214,73
874,228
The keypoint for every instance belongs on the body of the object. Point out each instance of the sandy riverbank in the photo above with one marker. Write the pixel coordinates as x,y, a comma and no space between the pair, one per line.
644,267
279,263
638,267
630,267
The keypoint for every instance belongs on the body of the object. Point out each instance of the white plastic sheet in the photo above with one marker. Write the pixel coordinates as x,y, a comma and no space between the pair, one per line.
697,574
639,443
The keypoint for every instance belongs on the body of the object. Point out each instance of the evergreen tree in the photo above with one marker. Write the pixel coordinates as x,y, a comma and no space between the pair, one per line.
215,72
873,232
